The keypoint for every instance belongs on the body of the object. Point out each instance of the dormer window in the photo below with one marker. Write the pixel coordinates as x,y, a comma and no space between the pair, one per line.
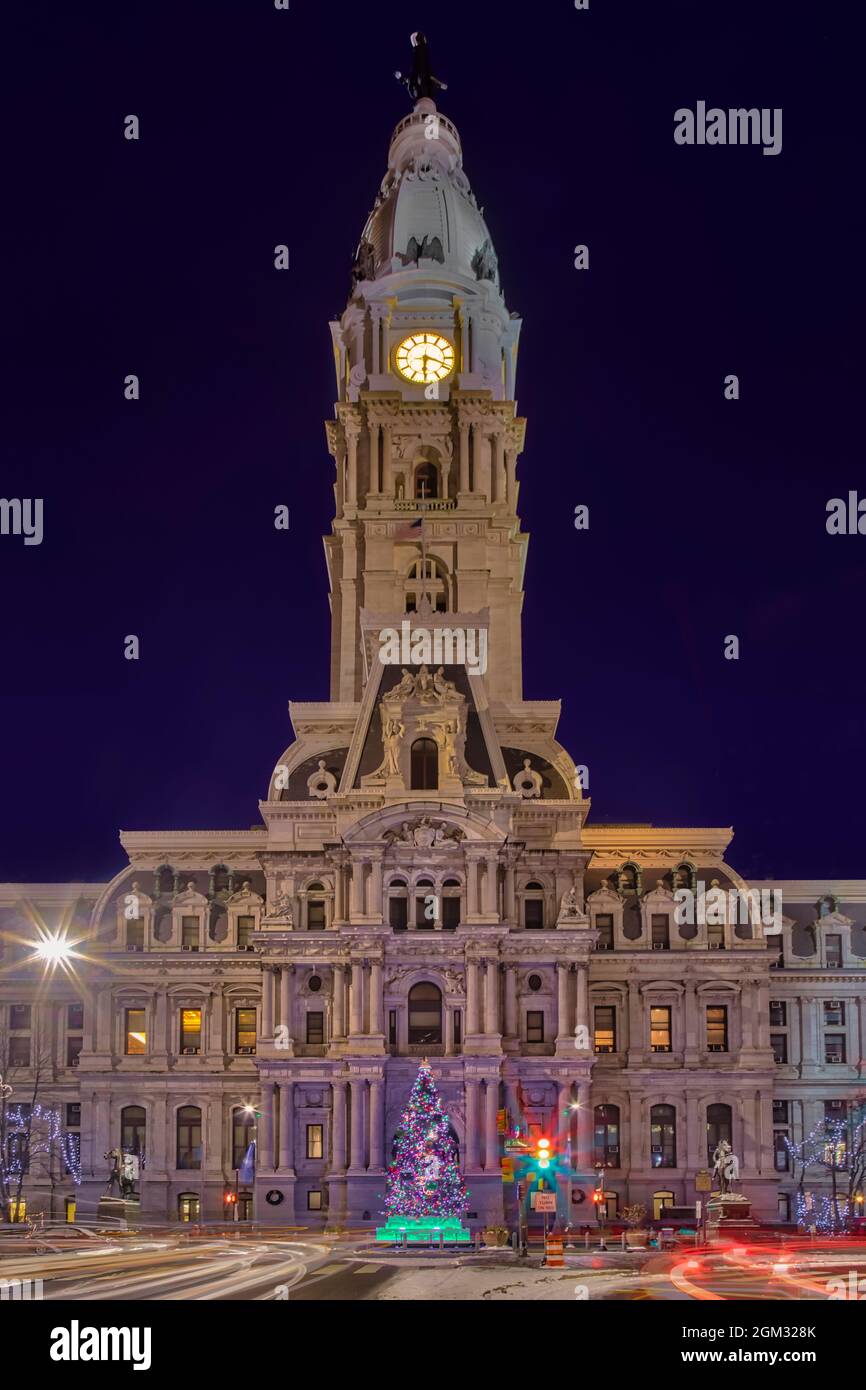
424,765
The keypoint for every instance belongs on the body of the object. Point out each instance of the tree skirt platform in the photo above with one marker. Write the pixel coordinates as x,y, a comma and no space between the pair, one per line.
422,1230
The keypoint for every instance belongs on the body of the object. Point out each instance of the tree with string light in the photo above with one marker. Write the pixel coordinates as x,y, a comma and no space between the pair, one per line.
424,1182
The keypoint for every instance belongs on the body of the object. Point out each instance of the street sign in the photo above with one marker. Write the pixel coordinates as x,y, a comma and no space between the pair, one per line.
545,1201
507,1169
704,1181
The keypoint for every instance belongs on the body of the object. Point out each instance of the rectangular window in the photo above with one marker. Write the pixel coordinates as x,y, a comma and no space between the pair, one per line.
190,1031
779,1044
19,1052
535,1026
135,935
19,1016
315,1028
833,950
246,927
781,1157
245,1031
458,1027
136,1035
392,1027
73,1114
605,1028
316,914
660,1029
533,913
314,1199
604,927
780,1112
834,1014
74,1018
660,929
73,1051
834,1047
716,936
189,933
450,913
778,1013
315,1141
398,913
717,1028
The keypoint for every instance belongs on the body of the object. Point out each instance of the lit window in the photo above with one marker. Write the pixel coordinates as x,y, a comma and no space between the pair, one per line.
245,1031
660,1029
314,1199
717,1028
605,1028
315,1141
190,1031
136,1034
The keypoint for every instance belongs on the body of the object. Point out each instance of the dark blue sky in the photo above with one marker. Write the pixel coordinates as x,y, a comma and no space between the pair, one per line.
707,517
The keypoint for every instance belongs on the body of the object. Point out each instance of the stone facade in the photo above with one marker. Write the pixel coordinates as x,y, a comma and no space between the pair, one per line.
426,880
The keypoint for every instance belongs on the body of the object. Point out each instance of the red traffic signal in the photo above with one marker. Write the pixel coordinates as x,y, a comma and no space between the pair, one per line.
230,1198
542,1153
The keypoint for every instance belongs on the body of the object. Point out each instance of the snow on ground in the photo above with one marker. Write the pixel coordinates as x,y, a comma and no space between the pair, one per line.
472,1283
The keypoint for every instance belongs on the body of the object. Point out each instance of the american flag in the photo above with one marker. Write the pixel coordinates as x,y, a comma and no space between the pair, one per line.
410,530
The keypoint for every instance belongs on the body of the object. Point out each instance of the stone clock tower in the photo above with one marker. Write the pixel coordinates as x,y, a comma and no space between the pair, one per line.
426,420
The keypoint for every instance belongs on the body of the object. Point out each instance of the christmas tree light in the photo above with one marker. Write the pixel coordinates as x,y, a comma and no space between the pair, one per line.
423,1177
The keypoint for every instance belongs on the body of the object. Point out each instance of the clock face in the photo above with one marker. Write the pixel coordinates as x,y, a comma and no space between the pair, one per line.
424,357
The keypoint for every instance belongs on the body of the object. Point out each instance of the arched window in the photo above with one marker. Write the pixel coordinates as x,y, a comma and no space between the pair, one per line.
398,904
188,1206
164,880
426,905
315,907
660,1201
425,1013
424,765
533,906
243,1134
606,1136
629,879
718,1128
429,577
663,1136
189,1137
426,480
133,1129
451,900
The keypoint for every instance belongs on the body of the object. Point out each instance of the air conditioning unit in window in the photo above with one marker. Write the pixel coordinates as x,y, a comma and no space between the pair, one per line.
189,948
603,1047
190,1051
246,948
660,945
660,1047
130,947
246,1051
74,1062
604,946
834,1059
716,1047
715,945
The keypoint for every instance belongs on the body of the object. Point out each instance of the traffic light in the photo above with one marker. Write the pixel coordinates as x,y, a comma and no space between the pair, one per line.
597,1197
230,1198
542,1153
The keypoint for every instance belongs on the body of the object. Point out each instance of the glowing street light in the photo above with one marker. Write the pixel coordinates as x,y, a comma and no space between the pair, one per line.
54,949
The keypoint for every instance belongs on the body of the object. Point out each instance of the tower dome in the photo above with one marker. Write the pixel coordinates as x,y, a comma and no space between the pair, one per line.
426,213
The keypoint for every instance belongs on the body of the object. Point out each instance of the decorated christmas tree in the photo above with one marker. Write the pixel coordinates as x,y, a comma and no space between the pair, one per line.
425,1192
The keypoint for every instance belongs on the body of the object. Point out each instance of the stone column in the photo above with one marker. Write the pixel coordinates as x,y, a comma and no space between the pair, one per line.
563,1121
582,1160
376,888
338,1006
472,1020
510,905
511,479
582,1019
695,1156
374,458
637,1144
338,1126
104,1021
489,892
563,1018
496,477
356,999
377,1124
377,1016
339,896
637,1041
287,1126
690,1007
388,459
268,1003
472,1125
491,1000
449,1031
511,1001
160,1027
266,1158
491,1136
358,1146
215,1041
464,457
356,892
352,490
809,1032
286,997
472,887
747,1031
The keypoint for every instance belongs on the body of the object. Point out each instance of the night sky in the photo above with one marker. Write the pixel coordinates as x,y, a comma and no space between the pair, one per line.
707,517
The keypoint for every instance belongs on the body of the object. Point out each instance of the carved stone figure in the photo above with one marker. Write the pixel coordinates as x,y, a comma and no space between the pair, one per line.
282,909
420,82
570,907
364,264
392,737
484,262
123,1172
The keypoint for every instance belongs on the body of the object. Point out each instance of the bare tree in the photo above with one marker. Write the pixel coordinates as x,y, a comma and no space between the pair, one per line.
28,1128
